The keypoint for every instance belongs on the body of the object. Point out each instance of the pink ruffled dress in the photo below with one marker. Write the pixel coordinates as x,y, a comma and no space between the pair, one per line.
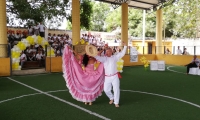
84,85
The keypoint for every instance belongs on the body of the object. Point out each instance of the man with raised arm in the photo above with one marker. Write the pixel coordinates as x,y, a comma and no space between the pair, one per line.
111,74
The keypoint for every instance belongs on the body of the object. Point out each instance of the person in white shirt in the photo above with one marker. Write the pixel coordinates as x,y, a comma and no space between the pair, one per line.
178,51
36,29
167,51
39,57
194,63
30,30
23,58
111,74
17,36
32,57
42,29
185,52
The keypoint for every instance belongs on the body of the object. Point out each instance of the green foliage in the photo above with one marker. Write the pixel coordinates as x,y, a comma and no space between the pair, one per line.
69,25
135,22
182,18
113,19
52,10
36,11
86,14
100,12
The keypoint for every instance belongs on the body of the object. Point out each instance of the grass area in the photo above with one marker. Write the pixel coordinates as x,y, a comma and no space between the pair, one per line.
139,99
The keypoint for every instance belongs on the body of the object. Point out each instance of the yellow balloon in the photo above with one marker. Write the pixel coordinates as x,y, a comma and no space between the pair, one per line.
87,43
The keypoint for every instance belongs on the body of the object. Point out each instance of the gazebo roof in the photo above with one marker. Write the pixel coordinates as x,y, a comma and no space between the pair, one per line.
140,4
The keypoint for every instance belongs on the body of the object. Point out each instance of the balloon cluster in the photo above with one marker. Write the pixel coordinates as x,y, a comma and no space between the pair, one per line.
82,41
50,52
120,64
30,40
145,62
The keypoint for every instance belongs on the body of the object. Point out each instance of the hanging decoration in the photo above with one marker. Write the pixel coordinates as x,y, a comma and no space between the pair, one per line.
30,40
120,64
145,62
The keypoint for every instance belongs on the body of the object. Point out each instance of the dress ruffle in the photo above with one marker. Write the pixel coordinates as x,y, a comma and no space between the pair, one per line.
84,85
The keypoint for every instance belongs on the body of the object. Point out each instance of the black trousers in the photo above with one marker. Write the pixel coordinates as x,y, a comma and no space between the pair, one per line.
191,65
42,34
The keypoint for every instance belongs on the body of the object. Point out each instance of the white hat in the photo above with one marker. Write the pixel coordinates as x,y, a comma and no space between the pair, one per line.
91,50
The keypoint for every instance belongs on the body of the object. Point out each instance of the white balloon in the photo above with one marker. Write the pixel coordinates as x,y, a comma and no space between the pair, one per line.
17,48
13,49
17,60
14,60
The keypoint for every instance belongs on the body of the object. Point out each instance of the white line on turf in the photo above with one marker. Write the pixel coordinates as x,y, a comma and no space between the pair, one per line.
168,68
29,95
62,100
193,104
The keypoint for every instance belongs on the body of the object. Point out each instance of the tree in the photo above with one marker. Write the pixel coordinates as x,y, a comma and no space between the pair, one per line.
135,24
100,12
113,19
35,10
182,19
52,11
85,14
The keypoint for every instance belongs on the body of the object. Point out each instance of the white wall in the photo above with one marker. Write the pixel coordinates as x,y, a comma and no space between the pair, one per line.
188,43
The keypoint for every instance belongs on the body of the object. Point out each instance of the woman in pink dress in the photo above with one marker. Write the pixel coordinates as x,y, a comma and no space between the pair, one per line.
84,81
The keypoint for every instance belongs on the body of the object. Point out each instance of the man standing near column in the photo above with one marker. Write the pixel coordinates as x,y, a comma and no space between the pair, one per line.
42,30
111,74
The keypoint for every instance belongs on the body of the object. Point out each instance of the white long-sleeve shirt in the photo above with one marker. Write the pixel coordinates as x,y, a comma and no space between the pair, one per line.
178,52
196,61
110,63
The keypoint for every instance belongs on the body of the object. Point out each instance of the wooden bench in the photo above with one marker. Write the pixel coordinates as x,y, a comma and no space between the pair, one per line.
31,65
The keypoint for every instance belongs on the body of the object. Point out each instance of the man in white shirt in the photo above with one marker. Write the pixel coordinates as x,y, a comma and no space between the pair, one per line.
36,29
194,63
111,74
23,58
39,57
178,51
42,29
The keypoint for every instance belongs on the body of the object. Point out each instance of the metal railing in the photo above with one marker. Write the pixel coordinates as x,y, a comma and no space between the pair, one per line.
171,50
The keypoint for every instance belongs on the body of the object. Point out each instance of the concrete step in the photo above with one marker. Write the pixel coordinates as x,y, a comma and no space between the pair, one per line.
29,71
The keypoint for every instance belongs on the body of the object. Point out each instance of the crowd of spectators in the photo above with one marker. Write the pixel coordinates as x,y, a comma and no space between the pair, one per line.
57,42
15,36
33,53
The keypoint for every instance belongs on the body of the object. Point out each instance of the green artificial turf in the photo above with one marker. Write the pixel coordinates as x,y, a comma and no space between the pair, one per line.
139,100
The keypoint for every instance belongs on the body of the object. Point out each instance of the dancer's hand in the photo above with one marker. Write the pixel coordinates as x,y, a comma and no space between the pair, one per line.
99,52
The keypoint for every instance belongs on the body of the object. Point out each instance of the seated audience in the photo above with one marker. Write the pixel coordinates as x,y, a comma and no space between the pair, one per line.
167,51
194,63
40,58
178,51
22,58
185,52
32,56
